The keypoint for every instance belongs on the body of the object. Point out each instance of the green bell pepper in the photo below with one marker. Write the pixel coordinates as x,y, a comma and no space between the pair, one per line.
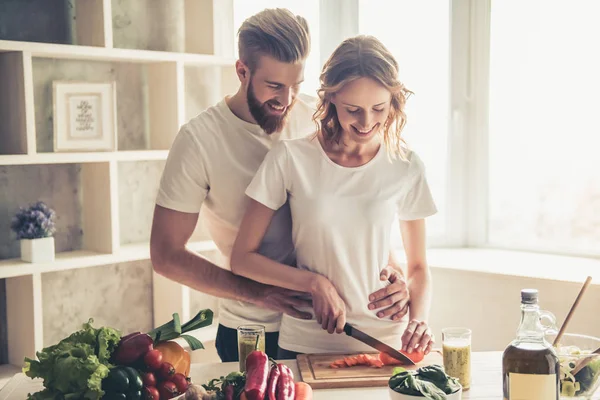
122,383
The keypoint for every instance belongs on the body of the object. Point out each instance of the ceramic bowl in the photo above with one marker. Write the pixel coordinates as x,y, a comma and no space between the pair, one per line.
400,396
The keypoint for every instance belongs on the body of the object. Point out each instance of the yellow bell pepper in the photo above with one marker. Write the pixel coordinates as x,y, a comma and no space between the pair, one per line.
176,355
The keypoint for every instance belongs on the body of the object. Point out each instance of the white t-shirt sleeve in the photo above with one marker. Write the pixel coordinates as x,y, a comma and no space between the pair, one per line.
184,183
418,202
270,185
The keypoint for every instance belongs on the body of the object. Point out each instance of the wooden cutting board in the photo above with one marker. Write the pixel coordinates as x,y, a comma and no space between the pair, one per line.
315,370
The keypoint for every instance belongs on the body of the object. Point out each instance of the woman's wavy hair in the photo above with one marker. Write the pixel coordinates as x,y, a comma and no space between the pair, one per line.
358,57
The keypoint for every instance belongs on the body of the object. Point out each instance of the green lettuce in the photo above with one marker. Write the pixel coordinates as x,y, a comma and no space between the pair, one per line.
430,382
74,368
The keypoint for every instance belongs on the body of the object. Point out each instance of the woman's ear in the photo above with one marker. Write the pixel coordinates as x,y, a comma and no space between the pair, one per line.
333,100
242,71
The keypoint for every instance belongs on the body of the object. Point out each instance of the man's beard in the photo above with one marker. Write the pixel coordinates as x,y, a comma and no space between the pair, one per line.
260,113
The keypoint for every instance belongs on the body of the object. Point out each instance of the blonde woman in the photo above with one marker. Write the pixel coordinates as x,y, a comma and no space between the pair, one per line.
347,185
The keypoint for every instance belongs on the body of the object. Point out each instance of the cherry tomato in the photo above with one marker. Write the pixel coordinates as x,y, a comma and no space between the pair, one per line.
167,390
180,381
149,379
165,372
150,393
153,359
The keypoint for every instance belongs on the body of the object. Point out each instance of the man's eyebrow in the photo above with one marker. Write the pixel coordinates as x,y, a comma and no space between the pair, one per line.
281,84
376,105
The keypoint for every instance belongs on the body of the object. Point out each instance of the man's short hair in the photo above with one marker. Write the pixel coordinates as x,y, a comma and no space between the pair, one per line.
273,32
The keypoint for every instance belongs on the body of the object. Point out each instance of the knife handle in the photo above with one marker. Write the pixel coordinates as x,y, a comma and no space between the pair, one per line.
348,329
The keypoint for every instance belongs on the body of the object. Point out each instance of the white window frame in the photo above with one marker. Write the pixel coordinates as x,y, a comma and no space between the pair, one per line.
468,142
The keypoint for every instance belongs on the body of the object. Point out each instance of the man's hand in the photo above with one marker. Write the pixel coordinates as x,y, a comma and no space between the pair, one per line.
285,301
394,297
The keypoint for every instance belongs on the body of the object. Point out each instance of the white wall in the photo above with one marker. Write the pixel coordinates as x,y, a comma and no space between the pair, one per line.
489,305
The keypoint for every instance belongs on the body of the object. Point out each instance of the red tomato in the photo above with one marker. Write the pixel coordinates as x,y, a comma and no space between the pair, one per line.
179,380
167,390
148,379
151,393
165,372
153,359
416,356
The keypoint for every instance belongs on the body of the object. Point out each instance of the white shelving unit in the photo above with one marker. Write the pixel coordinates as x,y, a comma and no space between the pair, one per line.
208,44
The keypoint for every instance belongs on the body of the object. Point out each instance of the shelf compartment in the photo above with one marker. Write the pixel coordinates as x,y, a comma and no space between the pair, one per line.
36,20
147,97
183,26
116,295
138,187
81,195
65,22
131,86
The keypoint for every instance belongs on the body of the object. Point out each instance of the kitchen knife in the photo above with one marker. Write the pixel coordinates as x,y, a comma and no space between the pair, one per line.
378,345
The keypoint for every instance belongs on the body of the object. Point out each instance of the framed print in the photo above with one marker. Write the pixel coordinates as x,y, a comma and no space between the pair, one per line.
84,116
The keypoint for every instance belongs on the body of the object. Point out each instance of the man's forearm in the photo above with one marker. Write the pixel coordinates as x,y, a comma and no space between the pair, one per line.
419,287
193,270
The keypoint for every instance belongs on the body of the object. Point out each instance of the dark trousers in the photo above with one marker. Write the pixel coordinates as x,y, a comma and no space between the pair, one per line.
283,354
227,344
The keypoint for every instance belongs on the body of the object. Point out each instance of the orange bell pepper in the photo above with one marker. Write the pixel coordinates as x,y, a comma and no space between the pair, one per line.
176,355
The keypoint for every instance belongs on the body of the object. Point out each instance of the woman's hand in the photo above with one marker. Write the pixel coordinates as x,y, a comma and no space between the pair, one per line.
417,335
330,309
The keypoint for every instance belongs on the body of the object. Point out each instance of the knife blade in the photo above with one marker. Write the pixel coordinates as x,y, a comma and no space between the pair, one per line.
376,344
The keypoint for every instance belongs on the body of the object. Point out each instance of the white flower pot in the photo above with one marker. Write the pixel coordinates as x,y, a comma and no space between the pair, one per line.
37,250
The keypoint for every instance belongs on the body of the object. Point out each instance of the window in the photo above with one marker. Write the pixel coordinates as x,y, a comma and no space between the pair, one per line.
308,9
544,170
417,32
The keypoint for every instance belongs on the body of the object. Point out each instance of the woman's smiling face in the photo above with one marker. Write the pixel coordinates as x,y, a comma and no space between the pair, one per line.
362,107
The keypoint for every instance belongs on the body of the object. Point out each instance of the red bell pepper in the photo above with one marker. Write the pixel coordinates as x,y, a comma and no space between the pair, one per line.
257,374
272,383
286,387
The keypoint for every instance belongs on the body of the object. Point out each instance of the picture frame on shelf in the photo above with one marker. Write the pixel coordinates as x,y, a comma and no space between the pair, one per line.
85,116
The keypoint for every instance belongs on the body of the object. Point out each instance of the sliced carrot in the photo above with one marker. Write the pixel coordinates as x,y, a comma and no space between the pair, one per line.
359,359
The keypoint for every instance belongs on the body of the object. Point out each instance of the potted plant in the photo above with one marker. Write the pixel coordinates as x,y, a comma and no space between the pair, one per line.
34,227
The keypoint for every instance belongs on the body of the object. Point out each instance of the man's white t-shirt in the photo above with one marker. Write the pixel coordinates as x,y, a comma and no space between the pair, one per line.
342,220
211,162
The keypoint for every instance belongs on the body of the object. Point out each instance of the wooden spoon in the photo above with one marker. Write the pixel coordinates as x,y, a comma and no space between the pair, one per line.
584,361
563,328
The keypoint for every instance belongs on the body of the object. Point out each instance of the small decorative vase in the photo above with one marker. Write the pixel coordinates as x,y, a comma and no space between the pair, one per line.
37,250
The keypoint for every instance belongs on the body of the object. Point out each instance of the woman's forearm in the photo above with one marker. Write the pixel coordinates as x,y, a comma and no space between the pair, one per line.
420,288
262,269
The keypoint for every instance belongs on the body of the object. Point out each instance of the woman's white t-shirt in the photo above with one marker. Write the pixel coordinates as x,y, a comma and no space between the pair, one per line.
342,219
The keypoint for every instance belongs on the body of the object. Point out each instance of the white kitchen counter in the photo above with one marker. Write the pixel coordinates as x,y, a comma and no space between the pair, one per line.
486,382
